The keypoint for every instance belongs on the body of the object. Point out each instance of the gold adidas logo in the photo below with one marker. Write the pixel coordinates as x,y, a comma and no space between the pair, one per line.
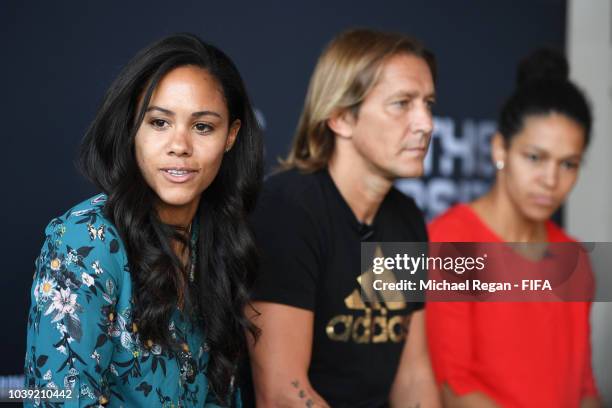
373,326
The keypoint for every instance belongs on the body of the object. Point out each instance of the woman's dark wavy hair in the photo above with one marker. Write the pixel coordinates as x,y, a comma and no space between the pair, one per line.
543,88
226,250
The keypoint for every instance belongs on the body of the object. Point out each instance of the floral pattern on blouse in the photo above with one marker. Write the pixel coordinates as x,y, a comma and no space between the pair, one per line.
80,332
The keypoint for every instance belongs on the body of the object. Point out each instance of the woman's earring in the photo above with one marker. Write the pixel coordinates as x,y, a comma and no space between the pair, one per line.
499,164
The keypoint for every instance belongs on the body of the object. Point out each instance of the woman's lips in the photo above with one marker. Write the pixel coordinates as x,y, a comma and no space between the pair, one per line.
543,200
178,174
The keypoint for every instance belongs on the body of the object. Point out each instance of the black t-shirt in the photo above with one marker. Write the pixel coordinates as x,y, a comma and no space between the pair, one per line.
310,243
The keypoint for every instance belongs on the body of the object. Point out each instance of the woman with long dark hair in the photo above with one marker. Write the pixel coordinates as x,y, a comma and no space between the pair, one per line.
524,354
139,292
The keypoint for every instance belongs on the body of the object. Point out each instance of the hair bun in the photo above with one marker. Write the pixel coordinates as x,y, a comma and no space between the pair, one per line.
542,64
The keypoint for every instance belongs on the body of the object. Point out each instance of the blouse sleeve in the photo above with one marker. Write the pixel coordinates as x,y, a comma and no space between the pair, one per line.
73,296
451,346
589,387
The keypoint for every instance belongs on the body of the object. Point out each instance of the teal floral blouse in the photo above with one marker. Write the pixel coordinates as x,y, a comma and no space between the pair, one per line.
80,331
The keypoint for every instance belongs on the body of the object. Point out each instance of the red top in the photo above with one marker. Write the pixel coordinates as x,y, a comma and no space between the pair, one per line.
518,354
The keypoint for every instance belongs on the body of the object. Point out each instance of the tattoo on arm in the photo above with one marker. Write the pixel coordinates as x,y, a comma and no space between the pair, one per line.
302,394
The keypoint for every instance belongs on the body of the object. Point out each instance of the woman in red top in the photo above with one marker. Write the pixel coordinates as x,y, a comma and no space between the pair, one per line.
491,354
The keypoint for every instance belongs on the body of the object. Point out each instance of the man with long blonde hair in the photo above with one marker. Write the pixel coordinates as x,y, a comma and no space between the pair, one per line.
366,122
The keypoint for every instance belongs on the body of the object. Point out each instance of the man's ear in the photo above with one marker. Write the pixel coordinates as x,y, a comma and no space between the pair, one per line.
233,133
342,123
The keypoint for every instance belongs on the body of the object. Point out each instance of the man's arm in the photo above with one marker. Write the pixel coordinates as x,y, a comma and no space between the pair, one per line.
414,385
281,356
